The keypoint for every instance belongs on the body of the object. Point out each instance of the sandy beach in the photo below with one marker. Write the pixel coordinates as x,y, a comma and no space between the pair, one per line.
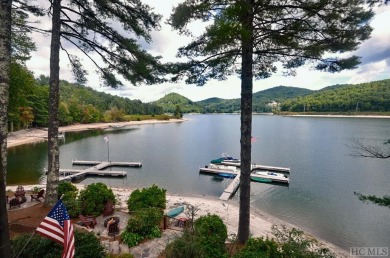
228,210
34,135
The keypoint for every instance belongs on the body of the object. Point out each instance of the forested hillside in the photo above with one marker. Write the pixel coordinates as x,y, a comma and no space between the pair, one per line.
364,97
170,102
29,98
261,100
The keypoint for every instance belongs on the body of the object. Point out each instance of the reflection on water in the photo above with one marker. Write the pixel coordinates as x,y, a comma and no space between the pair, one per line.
323,176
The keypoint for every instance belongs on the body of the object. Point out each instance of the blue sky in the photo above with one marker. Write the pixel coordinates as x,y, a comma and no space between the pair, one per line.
375,57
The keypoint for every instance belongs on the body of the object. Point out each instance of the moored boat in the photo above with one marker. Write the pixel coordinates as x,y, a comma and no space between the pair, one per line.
225,158
269,177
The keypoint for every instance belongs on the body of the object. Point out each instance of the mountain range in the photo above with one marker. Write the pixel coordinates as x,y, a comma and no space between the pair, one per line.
365,97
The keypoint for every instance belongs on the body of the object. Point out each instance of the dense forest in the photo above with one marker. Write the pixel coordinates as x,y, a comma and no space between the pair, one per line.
365,97
29,98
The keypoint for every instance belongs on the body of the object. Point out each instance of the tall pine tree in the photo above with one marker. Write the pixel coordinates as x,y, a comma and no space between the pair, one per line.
249,38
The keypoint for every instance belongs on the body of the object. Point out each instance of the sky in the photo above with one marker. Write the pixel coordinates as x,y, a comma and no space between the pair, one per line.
374,53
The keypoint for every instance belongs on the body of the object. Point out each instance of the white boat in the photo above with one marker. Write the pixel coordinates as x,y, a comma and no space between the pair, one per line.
269,177
220,169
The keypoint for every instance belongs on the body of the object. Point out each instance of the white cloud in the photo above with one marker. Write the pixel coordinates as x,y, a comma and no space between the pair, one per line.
375,54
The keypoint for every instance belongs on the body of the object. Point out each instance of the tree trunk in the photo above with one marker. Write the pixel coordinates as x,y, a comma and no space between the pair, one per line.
53,148
5,73
246,123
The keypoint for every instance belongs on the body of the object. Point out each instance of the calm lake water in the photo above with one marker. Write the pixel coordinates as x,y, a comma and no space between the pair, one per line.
324,176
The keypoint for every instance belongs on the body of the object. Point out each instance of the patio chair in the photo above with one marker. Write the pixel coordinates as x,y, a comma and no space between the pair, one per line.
20,191
109,208
88,221
37,196
14,202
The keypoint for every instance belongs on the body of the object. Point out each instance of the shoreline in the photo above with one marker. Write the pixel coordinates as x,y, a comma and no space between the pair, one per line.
36,135
228,211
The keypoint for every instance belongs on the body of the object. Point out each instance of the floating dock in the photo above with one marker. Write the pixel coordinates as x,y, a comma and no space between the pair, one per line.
233,169
96,170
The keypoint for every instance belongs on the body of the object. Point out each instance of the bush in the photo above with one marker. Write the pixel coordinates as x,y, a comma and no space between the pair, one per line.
207,240
131,239
184,247
69,197
211,234
87,246
288,243
258,247
152,197
93,198
145,222
65,187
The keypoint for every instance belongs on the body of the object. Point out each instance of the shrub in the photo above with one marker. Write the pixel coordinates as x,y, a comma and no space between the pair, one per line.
207,240
287,243
69,197
65,187
93,198
211,234
145,222
152,197
184,247
131,239
258,247
87,246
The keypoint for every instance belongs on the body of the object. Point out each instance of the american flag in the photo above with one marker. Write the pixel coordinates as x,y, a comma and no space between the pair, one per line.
58,227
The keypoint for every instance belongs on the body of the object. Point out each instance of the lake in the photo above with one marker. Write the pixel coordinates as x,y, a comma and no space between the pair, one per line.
323,178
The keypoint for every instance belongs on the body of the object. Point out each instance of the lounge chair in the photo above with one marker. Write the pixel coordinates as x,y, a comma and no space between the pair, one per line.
37,196
109,208
20,191
88,221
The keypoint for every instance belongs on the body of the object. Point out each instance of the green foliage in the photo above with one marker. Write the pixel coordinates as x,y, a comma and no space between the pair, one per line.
152,197
131,239
93,198
65,187
87,246
145,223
207,240
211,234
287,243
371,96
384,201
170,102
38,247
293,243
184,247
258,247
178,113
69,197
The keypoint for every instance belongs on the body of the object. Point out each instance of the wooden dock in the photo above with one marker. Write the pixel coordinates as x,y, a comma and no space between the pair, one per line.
96,170
104,164
231,189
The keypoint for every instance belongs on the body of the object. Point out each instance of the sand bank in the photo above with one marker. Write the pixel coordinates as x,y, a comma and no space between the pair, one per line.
34,135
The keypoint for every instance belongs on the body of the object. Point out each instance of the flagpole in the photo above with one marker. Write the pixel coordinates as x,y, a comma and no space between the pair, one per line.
108,152
28,241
